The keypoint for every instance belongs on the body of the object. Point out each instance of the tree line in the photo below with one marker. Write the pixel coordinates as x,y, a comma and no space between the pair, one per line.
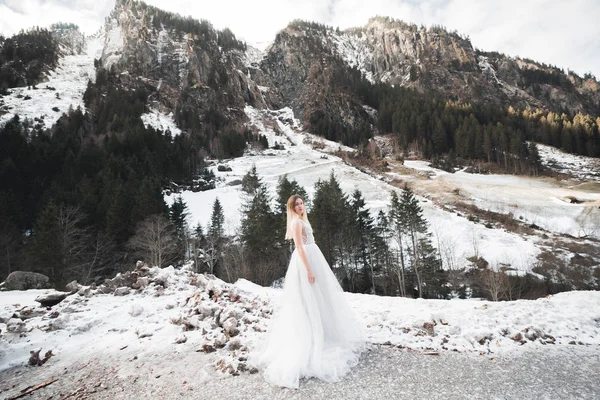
25,57
438,128
391,254
87,183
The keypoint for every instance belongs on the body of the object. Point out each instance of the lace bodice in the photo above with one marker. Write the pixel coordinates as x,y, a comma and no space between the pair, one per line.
307,233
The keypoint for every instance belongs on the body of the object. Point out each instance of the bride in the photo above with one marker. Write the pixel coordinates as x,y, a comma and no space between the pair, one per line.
313,332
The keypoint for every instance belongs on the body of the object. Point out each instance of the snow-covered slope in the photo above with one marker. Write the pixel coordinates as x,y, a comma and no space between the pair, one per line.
307,159
64,89
581,167
180,312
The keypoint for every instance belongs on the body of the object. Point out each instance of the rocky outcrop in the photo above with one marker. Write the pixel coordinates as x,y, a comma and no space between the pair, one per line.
310,78
438,61
185,70
311,66
71,41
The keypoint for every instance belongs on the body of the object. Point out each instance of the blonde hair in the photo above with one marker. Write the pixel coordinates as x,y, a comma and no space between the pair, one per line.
291,215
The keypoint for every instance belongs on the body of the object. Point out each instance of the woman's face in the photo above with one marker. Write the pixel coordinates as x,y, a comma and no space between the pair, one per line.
299,206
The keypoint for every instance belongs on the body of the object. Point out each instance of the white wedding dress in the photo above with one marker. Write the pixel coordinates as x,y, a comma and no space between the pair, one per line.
313,332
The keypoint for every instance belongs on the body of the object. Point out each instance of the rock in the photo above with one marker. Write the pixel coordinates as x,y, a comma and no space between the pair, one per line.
198,280
59,323
141,283
230,312
220,340
214,292
122,291
207,348
28,312
85,291
136,310
15,325
73,287
104,289
206,310
189,324
533,334
25,280
142,268
235,344
51,299
230,326
143,333
428,326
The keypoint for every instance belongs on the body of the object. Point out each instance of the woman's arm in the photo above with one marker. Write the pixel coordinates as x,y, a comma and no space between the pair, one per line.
297,235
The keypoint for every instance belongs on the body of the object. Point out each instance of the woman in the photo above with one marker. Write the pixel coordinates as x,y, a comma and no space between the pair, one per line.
313,332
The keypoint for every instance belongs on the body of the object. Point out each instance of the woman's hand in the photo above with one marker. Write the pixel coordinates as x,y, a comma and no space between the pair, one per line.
311,277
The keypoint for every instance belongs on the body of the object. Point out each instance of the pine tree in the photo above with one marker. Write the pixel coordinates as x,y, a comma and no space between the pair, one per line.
382,257
360,225
287,188
423,256
178,214
329,215
414,225
251,182
534,159
217,220
259,235
215,236
46,254
396,219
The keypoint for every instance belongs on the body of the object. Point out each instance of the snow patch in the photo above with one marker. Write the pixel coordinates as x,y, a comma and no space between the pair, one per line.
160,121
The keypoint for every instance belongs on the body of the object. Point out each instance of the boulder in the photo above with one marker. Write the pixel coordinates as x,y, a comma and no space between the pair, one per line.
25,280
51,299
122,291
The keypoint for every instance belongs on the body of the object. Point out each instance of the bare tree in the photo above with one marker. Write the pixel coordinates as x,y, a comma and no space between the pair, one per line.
9,241
475,242
155,241
589,221
493,283
234,262
100,256
75,240
447,250
213,252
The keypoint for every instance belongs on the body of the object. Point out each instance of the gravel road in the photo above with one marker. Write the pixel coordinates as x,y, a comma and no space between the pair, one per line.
553,372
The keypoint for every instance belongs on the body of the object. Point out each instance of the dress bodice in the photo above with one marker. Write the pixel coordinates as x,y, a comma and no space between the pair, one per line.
307,233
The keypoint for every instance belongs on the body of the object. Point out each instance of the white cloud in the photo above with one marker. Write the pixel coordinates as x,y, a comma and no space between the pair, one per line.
564,34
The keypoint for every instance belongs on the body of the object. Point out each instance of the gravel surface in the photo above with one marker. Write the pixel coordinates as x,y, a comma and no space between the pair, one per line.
555,372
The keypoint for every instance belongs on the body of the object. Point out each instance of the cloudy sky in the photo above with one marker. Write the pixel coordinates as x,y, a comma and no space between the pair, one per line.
561,33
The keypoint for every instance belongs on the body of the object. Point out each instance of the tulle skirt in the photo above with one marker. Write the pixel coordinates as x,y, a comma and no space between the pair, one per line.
313,331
